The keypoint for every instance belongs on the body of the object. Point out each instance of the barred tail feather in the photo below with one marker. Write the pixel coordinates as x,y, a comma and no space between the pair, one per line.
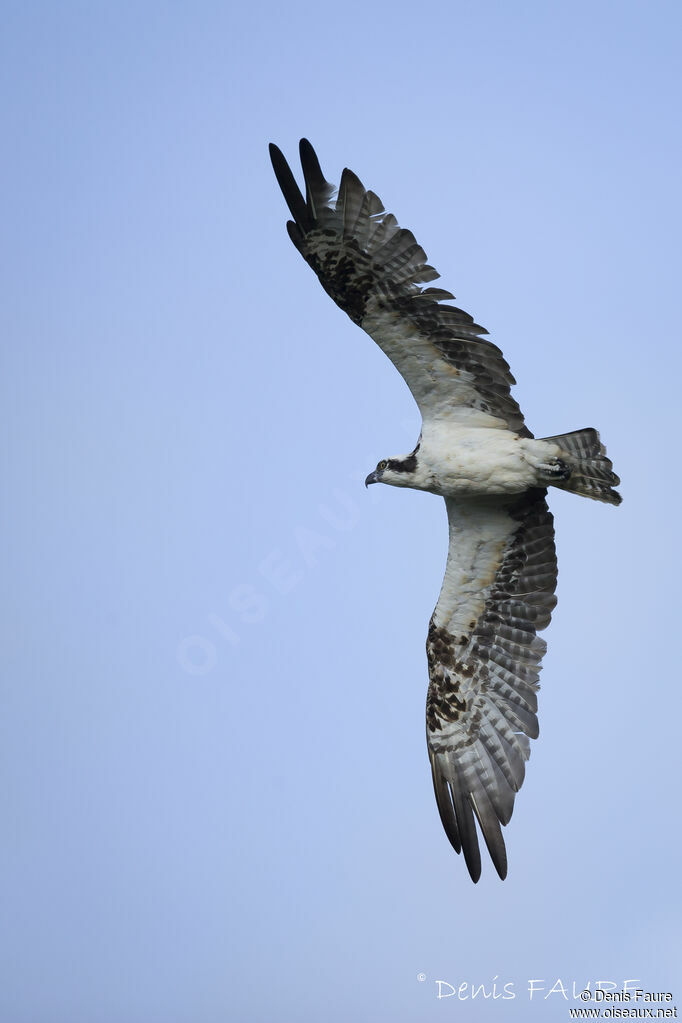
591,471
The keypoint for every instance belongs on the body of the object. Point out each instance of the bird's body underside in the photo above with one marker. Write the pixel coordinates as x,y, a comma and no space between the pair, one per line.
475,451
464,461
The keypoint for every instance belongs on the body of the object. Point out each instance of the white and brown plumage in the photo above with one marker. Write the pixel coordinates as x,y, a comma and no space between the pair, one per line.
475,451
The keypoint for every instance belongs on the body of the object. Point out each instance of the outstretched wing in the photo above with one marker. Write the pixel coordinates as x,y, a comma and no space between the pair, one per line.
375,270
484,659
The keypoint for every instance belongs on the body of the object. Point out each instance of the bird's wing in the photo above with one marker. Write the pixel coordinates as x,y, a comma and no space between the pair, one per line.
375,270
484,659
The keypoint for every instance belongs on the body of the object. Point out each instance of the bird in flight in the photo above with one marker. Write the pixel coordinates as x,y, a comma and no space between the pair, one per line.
475,451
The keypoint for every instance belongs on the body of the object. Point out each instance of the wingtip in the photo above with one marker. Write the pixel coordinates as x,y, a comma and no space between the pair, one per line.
472,858
278,161
474,872
499,862
318,189
351,177
290,190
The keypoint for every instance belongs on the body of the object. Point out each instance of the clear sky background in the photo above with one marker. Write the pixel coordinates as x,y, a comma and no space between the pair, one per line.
215,790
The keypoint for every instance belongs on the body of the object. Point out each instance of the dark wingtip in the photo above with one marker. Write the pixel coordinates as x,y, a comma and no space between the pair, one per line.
445,808
472,858
349,177
318,189
498,852
290,190
474,870
306,151
277,159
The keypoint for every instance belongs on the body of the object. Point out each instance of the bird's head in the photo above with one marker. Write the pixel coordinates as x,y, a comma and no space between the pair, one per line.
397,472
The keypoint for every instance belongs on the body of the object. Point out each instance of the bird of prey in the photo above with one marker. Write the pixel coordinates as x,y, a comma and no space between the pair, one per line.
475,451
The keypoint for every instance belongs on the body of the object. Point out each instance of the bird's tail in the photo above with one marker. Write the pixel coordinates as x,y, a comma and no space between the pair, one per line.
591,471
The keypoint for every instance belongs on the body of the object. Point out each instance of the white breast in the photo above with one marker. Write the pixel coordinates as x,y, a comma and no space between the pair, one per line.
462,460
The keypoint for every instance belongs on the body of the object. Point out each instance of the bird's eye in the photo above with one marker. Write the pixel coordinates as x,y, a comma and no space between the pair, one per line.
382,465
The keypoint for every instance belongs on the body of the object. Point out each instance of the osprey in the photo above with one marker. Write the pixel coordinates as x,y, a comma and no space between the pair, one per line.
475,451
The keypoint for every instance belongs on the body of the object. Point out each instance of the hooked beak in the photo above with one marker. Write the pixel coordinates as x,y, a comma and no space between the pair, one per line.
374,477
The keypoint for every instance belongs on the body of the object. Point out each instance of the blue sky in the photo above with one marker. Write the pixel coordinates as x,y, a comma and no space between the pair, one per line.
216,793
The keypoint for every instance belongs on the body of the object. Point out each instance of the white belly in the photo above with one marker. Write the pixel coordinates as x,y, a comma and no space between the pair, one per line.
460,461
